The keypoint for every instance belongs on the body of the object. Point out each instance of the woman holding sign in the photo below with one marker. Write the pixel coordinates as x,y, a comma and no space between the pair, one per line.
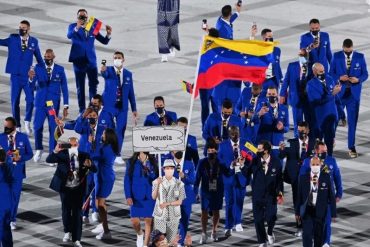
141,171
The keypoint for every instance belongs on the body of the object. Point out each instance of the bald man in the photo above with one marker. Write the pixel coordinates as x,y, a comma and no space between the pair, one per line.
321,93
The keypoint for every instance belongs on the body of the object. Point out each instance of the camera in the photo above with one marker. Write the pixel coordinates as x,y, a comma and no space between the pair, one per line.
103,62
240,3
65,145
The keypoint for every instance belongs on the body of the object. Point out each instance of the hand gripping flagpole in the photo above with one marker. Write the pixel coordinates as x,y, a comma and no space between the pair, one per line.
192,101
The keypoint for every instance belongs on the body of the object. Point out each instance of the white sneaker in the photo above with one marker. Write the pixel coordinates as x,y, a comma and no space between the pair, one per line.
119,160
298,233
140,240
77,244
164,58
13,225
98,229
67,237
104,235
326,245
27,127
262,245
271,238
37,156
95,217
172,52
214,236
239,228
203,238
85,220
53,164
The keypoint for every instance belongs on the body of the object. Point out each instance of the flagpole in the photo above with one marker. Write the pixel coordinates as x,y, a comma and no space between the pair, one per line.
192,102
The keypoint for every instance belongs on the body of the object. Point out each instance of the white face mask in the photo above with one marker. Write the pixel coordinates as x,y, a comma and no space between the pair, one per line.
169,172
302,60
73,150
117,63
315,169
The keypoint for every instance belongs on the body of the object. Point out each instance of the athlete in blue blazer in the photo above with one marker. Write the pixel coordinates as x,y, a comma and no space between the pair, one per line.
118,93
13,141
21,50
50,82
349,67
160,117
83,55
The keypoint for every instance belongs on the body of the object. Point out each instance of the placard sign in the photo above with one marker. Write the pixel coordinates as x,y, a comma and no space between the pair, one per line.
158,139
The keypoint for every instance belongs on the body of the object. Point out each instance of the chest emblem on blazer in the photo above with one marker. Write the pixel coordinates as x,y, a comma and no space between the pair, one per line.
283,113
323,184
357,65
103,121
32,44
127,78
186,171
273,170
20,143
57,75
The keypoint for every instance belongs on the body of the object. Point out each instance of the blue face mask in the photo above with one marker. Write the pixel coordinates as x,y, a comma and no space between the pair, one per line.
302,60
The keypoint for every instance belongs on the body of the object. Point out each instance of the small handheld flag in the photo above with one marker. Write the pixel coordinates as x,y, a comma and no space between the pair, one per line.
249,152
93,26
187,86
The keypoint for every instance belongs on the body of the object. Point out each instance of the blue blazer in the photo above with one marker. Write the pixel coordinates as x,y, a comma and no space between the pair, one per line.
105,162
50,90
19,62
6,178
60,177
202,177
266,187
82,127
153,119
110,90
226,157
267,124
83,47
335,174
192,150
138,186
325,195
338,67
322,54
321,98
224,29
213,125
244,102
292,81
22,143
276,68
189,179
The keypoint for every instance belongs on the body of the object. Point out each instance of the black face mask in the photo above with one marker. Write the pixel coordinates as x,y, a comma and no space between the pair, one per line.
269,39
82,18
159,110
272,99
302,135
179,155
8,130
260,154
22,32
48,62
212,156
225,116
348,53
92,121
315,33
322,156
321,77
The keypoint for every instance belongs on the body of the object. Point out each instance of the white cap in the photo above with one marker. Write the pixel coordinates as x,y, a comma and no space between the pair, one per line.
168,163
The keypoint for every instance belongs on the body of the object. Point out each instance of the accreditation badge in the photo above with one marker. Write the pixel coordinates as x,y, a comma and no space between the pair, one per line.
213,185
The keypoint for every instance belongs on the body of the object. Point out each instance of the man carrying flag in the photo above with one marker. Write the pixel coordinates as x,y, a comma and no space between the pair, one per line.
49,81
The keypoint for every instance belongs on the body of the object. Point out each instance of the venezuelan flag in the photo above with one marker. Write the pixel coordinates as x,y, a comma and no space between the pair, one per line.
249,151
187,87
93,26
221,59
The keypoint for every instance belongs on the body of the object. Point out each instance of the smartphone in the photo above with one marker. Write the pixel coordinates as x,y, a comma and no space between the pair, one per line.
103,62
65,145
204,24
240,3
